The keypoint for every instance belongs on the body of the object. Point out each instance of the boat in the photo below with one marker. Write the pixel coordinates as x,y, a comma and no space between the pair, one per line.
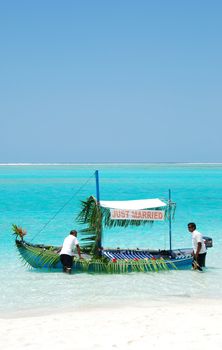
96,215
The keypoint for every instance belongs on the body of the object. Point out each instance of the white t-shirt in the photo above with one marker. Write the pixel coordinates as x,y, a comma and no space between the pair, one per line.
198,238
69,244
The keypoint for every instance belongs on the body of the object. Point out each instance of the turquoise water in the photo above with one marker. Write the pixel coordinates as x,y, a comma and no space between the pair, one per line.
31,196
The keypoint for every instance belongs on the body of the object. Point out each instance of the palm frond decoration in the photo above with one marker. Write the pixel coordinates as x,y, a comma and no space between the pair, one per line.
18,231
91,215
122,266
38,256
170,210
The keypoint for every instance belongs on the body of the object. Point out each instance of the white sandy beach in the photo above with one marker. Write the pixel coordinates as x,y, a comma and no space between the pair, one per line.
182,325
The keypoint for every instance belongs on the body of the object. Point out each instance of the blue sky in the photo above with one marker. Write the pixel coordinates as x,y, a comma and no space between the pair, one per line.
110,81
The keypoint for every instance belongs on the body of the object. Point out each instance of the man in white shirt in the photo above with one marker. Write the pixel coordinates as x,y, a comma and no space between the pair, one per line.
66,253
199,247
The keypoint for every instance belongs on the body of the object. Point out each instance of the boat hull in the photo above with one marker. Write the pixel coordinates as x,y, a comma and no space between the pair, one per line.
112,261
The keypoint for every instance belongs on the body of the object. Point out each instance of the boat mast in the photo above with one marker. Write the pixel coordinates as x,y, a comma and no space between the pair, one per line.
97,186
170,220
99,215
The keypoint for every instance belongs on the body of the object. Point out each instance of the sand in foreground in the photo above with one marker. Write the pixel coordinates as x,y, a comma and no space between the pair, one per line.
189,325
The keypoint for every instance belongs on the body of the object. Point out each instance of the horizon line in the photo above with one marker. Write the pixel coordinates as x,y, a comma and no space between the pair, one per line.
105,163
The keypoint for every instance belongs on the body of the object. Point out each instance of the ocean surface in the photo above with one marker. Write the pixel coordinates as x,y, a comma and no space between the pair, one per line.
45,199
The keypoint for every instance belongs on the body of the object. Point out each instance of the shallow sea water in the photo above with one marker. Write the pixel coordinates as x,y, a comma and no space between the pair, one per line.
32,195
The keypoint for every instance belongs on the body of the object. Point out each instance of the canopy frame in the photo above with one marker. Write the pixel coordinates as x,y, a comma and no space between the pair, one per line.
96,214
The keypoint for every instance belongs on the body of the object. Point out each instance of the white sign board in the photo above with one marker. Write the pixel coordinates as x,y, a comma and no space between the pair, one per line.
149,215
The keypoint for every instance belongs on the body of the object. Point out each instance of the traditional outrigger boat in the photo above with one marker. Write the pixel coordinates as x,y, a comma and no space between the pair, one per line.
96,215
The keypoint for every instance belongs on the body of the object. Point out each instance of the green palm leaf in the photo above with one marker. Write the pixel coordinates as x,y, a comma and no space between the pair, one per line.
91,216
37,257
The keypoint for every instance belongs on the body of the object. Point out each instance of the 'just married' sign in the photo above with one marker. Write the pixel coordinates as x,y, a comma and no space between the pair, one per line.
124,214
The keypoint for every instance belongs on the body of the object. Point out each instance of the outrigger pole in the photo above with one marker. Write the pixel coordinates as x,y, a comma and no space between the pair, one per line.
170,221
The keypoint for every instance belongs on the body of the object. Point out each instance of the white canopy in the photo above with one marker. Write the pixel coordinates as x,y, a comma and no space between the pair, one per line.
134,204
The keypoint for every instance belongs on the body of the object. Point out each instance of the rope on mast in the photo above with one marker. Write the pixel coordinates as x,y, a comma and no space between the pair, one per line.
64,205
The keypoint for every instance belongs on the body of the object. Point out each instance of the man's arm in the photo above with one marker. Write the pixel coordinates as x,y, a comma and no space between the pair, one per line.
78,250
199,245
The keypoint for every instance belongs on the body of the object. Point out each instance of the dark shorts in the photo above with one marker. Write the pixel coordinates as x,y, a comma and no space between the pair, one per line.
201,259
66,260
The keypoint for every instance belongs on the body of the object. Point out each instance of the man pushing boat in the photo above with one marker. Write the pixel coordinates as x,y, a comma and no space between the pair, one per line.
66,253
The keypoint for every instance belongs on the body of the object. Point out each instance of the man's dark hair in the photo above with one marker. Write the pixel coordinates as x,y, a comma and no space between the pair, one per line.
192,224
73,232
